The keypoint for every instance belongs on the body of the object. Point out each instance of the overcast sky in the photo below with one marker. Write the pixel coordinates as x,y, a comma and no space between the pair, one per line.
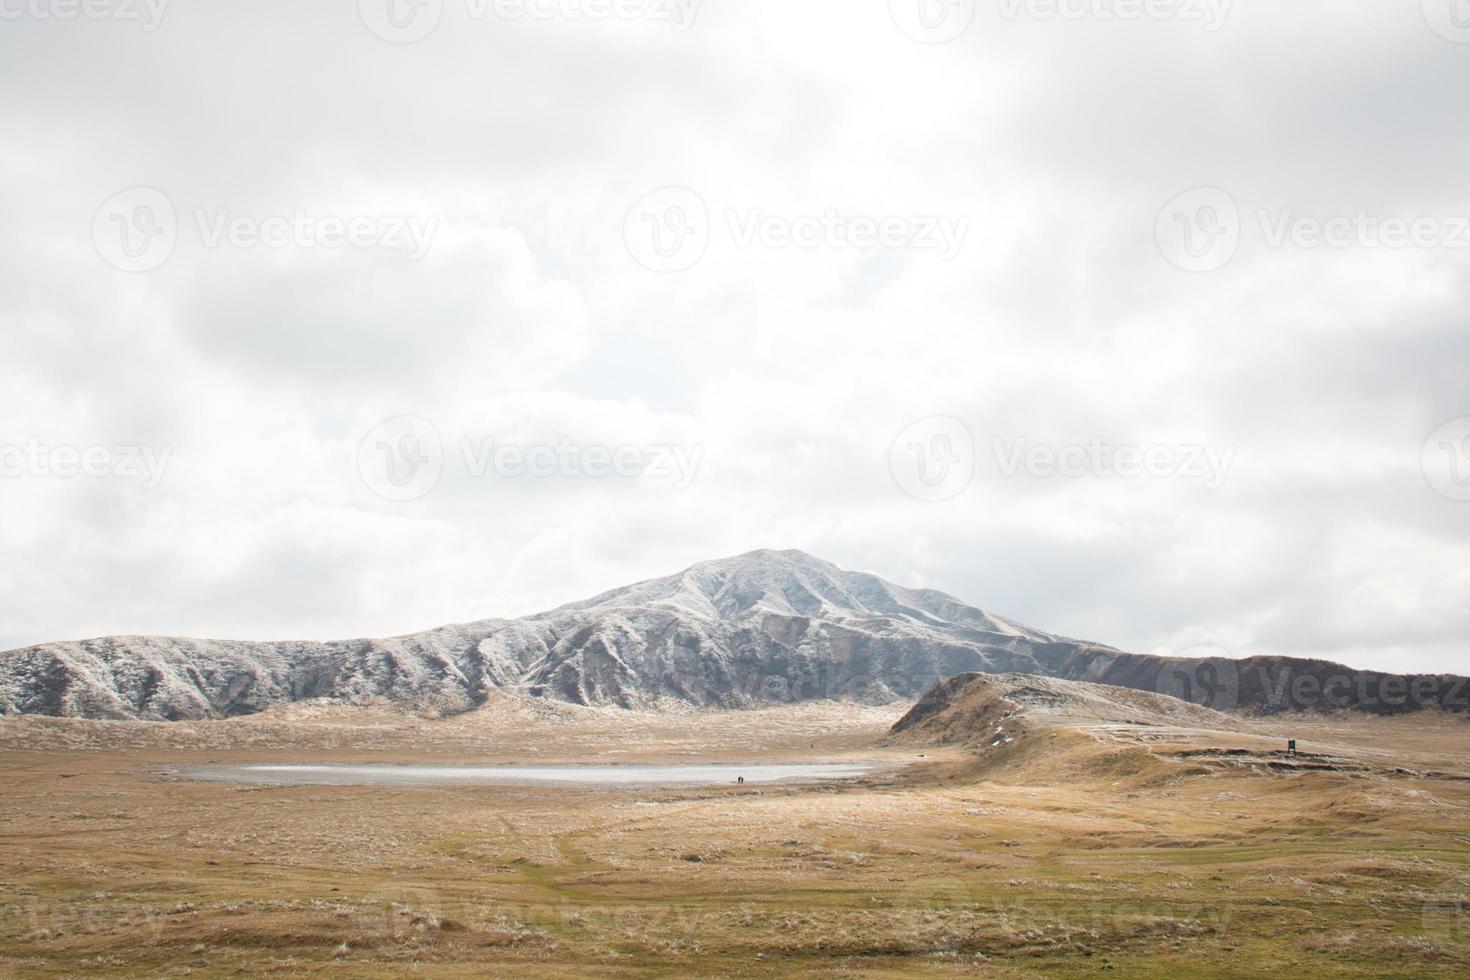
339,319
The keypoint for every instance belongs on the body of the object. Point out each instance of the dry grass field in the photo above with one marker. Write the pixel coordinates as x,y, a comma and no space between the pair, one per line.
1091,849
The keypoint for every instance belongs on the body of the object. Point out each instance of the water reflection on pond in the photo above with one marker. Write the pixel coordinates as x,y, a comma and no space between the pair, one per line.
380,775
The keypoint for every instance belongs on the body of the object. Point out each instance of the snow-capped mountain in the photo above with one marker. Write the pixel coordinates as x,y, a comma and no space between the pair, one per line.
760,628
765,627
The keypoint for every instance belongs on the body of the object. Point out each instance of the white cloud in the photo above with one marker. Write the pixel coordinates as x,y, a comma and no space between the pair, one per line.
792,370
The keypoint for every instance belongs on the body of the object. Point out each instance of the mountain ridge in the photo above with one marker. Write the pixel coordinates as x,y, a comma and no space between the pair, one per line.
764,627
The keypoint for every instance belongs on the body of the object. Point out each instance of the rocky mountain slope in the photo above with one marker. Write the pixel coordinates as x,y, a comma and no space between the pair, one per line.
1047,731
762,628
995,709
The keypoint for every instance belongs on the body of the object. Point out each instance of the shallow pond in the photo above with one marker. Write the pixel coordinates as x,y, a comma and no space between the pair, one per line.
345,775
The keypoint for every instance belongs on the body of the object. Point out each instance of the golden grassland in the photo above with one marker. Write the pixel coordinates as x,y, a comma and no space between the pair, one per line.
1068,854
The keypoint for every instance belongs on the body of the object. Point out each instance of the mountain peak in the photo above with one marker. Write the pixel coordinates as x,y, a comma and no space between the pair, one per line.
791,555
783,582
